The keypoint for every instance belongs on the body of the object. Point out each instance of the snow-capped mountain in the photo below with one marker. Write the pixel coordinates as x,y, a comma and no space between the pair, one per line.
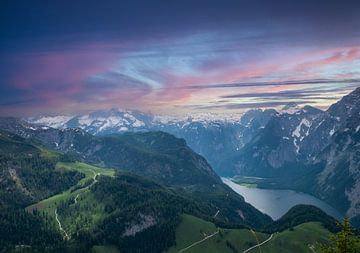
212,136
51,121
100,122
295,136
306,148
309,150
275,145
290,108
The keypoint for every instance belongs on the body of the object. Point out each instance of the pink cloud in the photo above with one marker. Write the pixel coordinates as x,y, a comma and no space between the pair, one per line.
337,56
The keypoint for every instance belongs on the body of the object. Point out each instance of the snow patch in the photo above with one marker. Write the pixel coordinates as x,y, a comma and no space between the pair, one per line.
296,132
52,121
332,131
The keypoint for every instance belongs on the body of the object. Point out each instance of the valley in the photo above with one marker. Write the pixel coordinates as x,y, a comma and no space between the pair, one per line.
148,191
306,149
206,126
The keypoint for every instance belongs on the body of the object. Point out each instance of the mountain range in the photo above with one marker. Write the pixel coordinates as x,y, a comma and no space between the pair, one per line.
130,192
130,180
210,137
287,145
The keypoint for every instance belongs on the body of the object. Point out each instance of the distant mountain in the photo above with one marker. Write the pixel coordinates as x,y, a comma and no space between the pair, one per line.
213,138
339,116
216,140
310,150
303,148
100,122
139,207
155,155
338,181
275,146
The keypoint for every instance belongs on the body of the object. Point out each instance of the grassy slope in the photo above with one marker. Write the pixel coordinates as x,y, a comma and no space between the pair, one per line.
297,240
191,230
48,205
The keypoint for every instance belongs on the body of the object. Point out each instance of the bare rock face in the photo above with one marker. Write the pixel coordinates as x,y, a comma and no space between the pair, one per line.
323,144
135,227
213,138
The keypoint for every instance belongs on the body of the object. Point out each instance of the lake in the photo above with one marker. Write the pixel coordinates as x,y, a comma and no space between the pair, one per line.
276,203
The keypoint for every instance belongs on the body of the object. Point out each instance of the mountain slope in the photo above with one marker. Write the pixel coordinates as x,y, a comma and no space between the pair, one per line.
312,151
339,179
156,155
212,138
274,147
27,173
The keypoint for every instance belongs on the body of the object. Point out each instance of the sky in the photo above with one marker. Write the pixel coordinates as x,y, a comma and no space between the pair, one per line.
176,57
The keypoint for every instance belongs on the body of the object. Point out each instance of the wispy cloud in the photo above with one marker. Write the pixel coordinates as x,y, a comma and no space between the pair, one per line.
351,82
158,75
313,93
235,106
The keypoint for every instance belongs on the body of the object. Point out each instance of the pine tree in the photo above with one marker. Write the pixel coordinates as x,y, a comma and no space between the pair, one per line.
343,242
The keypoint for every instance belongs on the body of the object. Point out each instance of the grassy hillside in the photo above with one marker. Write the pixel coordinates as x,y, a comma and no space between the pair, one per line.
298,239
99,210
122,211
49,205
192,230
28,172
157,156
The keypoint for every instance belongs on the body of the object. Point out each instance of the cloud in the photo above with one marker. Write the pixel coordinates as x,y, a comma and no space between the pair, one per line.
161,72
279,83
235,106
313,93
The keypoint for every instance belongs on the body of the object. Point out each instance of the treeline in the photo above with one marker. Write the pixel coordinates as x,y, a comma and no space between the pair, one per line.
28,174
21,231
300,214
26,180
130,203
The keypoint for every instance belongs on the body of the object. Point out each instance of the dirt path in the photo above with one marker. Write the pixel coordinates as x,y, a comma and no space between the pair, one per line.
66,236
198,242
259,244
75,199
87,187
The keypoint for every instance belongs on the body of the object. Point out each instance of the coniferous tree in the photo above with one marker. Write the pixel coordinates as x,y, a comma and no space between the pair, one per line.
343,242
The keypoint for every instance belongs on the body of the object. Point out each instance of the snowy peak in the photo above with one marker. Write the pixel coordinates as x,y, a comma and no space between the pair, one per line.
307,109
51,121
111,121
290,108
294,108
257,118
348,106
99,122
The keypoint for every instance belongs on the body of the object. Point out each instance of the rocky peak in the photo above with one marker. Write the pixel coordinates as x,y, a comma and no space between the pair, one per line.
290,108
348,106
